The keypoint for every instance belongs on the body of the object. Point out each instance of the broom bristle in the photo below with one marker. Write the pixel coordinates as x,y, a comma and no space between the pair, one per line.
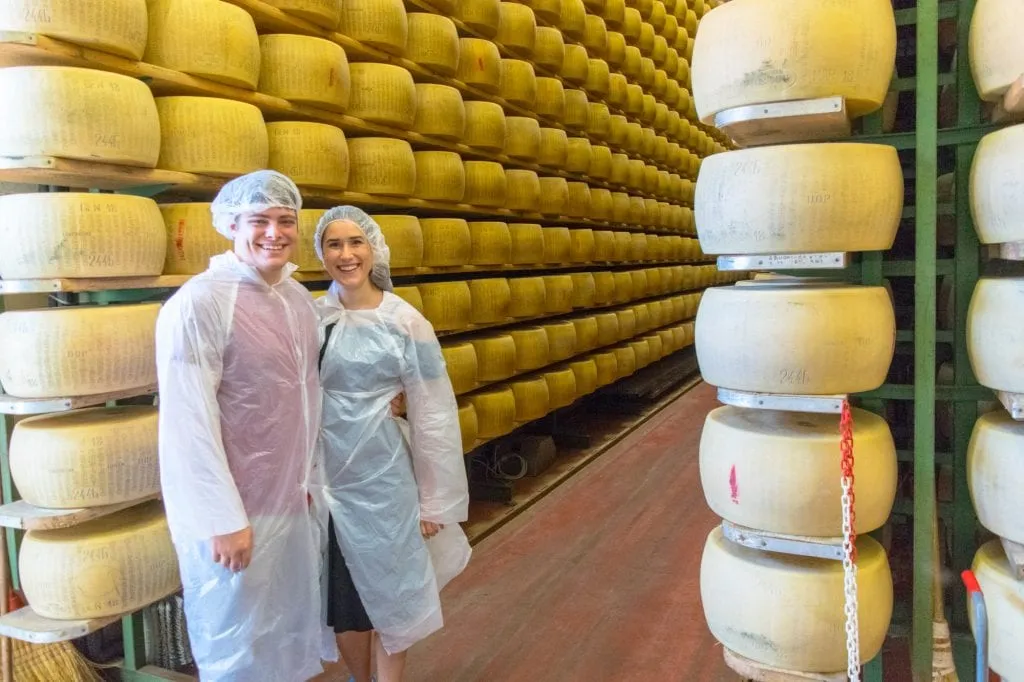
49,662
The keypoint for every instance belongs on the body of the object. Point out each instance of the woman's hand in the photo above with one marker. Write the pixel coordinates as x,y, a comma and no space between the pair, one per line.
234,550
398,405
429,529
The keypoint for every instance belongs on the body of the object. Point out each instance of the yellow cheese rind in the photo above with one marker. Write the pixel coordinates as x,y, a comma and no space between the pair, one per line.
492,243
446,241
486,184
806,340
532,348
518,82
480,64
113,565
776,471
485,126
468,426
527,244
461,364
378,23
382,93
433,43
1004,605
496,357
78,113
440,112
995,474
118,27
533,400
446,305
529,296
381,165
483,16
440,176
786,611
495,412
818,49
311,154
404,238
211,136
74,234
323,13
305,70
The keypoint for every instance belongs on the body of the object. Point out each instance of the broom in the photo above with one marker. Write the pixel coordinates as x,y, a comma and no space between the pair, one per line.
943,667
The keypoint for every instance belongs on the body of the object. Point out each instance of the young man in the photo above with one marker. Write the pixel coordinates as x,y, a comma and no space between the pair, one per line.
237,352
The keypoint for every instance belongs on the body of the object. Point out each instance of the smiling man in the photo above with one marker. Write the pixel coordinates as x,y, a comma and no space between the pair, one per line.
237,353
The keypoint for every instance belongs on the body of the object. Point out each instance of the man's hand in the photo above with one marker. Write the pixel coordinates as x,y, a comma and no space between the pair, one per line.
429,529
398,405
234,550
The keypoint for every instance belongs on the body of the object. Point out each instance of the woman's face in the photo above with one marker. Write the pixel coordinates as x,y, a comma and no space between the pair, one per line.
348,257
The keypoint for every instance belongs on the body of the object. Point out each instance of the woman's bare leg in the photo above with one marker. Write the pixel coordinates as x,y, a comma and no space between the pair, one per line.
390,668
356,651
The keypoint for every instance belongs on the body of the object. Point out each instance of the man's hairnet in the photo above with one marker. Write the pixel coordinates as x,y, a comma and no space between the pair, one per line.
253,193
380,274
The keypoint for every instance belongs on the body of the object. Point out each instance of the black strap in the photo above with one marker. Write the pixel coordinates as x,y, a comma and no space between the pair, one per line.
323,348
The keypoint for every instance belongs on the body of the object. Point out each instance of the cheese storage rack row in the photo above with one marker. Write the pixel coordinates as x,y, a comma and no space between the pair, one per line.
651,175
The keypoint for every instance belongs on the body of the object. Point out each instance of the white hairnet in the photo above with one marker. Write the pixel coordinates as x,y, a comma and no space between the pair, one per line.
380,274
252,193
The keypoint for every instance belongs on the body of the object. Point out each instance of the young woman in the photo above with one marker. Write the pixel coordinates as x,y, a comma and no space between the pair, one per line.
394,501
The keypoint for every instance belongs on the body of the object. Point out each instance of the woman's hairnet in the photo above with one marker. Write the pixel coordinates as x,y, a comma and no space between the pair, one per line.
380,274
253,193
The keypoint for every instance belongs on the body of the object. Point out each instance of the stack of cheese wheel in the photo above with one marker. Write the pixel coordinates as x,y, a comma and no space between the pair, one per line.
772,471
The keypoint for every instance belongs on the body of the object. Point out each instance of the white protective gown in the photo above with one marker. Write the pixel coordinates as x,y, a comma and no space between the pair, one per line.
379,485
239,417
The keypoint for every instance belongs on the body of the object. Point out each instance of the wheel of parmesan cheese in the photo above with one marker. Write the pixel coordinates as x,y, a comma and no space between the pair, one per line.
995,49
116,26
995,333
1004,604
995,474
997,199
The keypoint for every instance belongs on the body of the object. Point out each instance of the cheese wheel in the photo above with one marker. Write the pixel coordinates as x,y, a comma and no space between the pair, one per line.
598,77
529,296
657,350
105,567
599,120
625,361
479,64
522,138
440,176
485,126
600,205
496,356
996,200
579,200
995,473
229,51
561,337
532,348
623,243
305,70
631,22
595,35
481,16
577,110
311,154
382,93
554,148
642,317
446,241
517,27
582,245
518,82
211,136
485,184
604,246
786,611
468,426
1004,605
607,328
75,234
446,305
579,155
440,112
800,198
410,295
46,358
77,113
523,190
86,458
118,27
433,43
777,471
550,11
378,23
527,244
492,243
381,165
404,239
557,244
807,339
575,65
614,14
461,364
550,100
558,293
549,48
995,333
554,195
995,51
607,367
561,387
573,19
821,50
533,400
323,13
495,412
191,238
584,290
587,331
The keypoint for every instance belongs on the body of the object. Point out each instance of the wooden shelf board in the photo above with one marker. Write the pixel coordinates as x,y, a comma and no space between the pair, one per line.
25,516
52,170
14,405
76,285
759,672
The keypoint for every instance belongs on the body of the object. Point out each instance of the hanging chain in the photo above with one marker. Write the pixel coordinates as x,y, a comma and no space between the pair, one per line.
849,545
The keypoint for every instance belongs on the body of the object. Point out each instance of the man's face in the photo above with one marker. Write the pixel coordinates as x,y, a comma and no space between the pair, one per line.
265,240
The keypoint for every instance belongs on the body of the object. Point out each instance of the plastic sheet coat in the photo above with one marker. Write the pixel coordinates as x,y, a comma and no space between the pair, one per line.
379,485
239,417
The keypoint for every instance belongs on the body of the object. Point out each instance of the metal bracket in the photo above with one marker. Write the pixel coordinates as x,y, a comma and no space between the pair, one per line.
811,120
1011,251
1013,402
1015,557
799,545
833,260
824,404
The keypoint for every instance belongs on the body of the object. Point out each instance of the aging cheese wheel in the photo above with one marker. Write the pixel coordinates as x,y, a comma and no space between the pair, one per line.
522,138
305,70
117,27
191,238
550,99
381,165
440,176
815,49
75,234
532,348
461,363
433,43
78,114
561,387
573,19
311,154
496,357
81,350
440,112
404,238
806,339
229,51
995,333
997,198
1004,604
491,299
446,241
323,13
550,11
533,400
105,567
492,243
485,126
561,340
495,412
607,367
549,48
523,190
410,295
211,136
800,198
468,425
517,27
529,296
558,293
86,458
554,196
382,93
378,23
486,184
995,474
480,64
518,82
527,244
554,148
786,611
482,16
446,305
995,49
778,471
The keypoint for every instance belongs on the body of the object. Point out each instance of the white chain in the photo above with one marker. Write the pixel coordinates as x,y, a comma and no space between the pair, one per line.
850,588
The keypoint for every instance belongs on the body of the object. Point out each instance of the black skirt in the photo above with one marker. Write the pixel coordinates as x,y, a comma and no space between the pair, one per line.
345,612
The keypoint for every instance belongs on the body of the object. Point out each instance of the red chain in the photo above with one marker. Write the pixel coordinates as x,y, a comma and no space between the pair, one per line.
846,446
